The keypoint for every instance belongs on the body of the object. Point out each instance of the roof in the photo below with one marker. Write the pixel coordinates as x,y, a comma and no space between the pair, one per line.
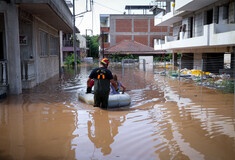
130,46
138,6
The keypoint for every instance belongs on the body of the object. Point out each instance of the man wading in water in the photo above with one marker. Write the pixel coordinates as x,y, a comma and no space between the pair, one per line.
102,78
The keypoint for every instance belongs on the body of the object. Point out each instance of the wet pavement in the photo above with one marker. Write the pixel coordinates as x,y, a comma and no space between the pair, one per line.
168,119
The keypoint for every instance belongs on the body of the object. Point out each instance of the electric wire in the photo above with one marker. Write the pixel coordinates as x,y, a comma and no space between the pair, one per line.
108,7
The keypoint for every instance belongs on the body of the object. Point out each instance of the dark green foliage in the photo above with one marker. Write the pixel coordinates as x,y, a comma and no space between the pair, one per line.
162,58
93,45
69,60
117,57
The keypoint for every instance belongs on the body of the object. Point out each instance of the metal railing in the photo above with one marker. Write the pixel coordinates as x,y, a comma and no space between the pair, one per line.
3,73
69,43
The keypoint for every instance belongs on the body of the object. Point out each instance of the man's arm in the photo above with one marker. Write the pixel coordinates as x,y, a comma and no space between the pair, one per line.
114,84
88,82
88,90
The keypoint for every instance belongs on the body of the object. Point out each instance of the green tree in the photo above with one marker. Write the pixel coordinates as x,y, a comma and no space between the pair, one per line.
93,45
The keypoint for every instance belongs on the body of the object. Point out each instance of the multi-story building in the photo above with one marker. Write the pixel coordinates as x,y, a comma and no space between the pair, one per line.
202,30
137,27
29,41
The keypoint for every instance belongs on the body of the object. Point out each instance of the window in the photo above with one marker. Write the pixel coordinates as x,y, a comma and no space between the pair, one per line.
209,17
54,46
225,11
43,43
106,38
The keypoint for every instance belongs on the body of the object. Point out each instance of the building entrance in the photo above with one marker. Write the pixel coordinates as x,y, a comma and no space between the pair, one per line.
2,37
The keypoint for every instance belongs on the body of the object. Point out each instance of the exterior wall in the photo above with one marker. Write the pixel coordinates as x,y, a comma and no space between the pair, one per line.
197,63
135,27
104,29
140,25
199,24
121,38
123,25
82,45
141,39
232,12
46,66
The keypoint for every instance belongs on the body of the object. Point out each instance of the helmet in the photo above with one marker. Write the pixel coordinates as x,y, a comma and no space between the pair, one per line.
105,61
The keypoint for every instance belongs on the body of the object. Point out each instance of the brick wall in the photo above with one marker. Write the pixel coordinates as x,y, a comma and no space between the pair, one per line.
106,45
141,25
122,37
157,28
104,29
123,25
141,39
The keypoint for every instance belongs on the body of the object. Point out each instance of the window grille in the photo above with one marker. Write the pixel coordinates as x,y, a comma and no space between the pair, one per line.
43,43
54,46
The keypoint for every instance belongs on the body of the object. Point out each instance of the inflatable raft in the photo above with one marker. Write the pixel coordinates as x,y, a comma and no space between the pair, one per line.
115,100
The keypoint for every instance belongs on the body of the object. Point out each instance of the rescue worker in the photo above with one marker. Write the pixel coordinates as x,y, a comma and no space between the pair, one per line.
102,78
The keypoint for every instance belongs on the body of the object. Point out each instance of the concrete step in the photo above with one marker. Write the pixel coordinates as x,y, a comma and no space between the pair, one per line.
3,92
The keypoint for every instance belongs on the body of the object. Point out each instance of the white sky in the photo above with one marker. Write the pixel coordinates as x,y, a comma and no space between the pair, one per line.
103,7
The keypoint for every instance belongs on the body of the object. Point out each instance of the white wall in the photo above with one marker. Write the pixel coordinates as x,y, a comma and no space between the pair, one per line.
148,59
82,40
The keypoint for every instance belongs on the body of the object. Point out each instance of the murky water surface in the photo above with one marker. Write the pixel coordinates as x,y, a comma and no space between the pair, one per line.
167,119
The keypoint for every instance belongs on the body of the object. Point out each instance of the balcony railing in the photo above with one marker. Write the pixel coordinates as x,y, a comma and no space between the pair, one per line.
28,70
69,43
3,73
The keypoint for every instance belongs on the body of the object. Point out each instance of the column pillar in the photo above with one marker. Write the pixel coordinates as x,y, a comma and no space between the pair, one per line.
174,60
14,67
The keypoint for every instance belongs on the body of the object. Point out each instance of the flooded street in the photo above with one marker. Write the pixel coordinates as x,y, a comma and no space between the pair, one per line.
167,119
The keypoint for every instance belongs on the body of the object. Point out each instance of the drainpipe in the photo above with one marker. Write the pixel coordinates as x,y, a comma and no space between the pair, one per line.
61,52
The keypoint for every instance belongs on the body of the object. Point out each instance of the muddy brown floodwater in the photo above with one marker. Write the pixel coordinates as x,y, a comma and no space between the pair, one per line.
167,119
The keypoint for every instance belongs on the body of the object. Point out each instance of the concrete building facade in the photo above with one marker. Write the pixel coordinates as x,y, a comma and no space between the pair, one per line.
202,30
29,41
140,28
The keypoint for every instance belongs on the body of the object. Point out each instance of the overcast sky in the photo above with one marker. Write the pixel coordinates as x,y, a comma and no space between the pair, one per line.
102,7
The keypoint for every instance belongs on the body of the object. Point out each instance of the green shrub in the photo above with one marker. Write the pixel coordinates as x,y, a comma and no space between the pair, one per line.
69,60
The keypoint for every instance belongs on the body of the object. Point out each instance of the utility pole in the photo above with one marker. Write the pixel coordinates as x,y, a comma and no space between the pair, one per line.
102,44
92,3
74,37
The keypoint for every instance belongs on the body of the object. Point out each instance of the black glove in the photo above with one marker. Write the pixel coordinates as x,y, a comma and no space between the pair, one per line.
88,90
117,90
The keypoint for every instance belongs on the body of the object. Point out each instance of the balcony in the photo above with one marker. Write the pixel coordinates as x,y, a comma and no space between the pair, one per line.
68,46
169,18
192,5
172,42
213,35
222,34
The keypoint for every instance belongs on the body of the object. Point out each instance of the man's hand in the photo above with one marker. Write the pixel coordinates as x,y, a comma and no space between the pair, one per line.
117,90
88,90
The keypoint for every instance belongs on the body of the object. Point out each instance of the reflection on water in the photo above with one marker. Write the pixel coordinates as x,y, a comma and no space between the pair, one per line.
167,119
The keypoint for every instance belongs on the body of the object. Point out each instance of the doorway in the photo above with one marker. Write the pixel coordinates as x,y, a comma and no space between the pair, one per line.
2,42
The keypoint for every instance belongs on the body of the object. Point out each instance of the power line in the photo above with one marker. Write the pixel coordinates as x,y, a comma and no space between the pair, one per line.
107,7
